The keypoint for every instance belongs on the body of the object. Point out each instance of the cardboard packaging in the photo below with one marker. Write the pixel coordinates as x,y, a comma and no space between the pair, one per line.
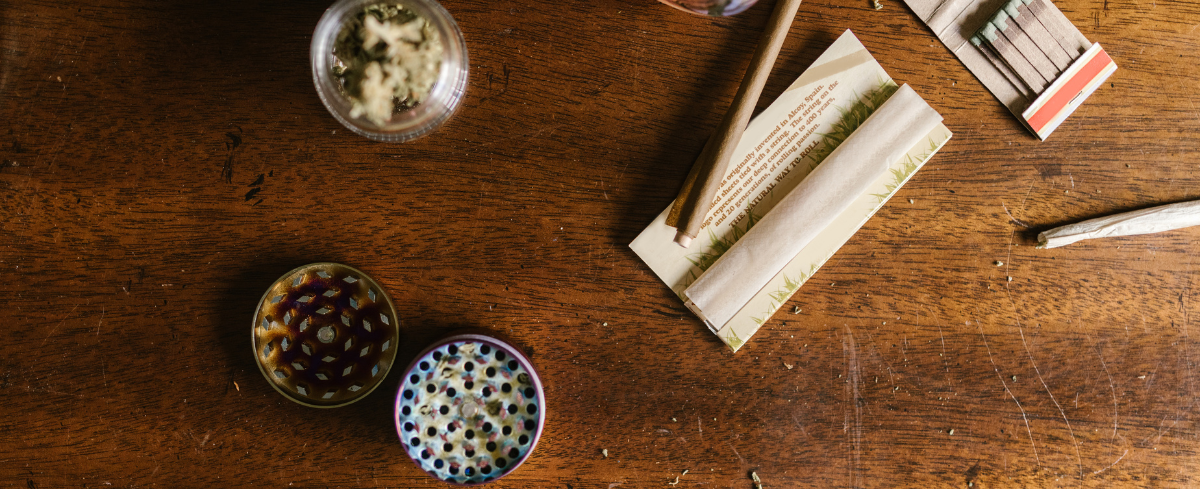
1043,107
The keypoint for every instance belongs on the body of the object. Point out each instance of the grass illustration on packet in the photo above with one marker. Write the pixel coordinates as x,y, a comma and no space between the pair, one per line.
781,146
860,109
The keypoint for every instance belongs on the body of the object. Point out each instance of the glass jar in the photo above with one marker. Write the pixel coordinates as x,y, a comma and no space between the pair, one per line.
711,7
444,98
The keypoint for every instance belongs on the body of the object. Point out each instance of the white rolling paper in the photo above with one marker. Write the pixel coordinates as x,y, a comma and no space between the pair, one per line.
1145,221
743,270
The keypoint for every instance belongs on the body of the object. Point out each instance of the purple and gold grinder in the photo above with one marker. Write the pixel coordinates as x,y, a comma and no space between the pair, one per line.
325,335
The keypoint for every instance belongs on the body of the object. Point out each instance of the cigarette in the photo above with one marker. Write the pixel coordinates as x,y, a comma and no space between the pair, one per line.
1145,221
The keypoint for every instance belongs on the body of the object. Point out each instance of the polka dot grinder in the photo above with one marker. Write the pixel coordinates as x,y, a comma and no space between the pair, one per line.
325,335
470,409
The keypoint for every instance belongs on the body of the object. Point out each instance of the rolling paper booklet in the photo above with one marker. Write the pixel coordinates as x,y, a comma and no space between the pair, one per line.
780,147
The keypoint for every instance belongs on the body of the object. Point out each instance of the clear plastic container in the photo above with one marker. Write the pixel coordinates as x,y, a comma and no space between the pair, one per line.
443,100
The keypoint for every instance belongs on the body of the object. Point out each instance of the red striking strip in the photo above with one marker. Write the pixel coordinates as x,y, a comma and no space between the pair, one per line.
1069,90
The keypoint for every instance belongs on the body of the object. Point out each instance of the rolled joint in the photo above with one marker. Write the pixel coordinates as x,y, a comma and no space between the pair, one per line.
682,239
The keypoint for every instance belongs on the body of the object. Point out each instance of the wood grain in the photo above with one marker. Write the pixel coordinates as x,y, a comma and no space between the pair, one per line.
163,163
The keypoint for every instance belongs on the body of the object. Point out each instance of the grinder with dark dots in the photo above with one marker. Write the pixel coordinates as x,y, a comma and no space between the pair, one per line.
470,409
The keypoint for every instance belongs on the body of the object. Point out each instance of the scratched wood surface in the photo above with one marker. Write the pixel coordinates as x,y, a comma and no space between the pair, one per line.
161,164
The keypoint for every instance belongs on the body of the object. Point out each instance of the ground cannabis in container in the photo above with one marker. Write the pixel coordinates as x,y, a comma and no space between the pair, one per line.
388,59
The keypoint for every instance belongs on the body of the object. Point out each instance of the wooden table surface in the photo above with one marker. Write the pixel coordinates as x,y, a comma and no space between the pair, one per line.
162,163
